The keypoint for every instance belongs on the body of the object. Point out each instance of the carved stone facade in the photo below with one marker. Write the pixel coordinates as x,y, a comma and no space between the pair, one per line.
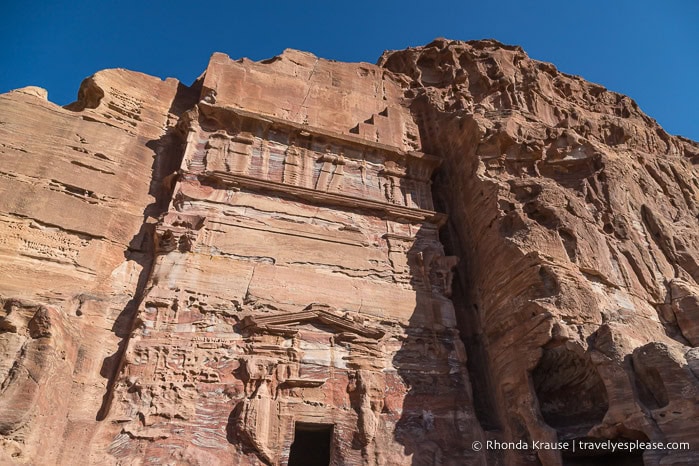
258,269
300,281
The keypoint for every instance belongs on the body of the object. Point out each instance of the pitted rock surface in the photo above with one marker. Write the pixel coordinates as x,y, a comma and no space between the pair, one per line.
392,262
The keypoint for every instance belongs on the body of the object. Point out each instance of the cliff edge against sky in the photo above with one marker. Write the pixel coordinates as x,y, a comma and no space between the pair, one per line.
459,244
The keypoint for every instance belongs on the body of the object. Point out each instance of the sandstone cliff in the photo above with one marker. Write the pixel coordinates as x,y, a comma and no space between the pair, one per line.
576,218
221,272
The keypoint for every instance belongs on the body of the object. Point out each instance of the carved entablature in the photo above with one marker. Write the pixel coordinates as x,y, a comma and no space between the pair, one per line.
263,153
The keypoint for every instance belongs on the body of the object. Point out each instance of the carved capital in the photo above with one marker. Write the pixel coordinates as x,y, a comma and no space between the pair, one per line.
437,270
177,231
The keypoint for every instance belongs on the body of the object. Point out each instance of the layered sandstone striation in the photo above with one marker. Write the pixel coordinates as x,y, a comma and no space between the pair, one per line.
80,187
575,216
258,267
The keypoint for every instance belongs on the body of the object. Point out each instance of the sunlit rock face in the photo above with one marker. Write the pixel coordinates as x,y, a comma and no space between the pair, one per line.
575,216
302,261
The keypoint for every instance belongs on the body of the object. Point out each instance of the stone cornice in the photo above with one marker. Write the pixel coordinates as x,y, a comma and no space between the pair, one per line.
392,211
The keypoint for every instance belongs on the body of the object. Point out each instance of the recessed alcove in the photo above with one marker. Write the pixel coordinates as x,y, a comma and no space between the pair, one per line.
572,396
312,444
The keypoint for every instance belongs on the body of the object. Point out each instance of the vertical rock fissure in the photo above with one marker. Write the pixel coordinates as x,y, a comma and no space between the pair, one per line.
168,153
291,268
566,237
467,312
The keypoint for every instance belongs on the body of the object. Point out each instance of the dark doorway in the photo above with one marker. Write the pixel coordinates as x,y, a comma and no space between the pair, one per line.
311,445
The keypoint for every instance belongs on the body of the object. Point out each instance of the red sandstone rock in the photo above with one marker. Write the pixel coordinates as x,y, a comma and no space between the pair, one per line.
576,217
207,275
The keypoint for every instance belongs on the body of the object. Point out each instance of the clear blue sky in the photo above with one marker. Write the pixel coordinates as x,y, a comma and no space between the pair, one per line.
646,49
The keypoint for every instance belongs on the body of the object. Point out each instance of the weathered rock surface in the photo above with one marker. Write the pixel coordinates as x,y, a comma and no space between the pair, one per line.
77,185
575,216
259,267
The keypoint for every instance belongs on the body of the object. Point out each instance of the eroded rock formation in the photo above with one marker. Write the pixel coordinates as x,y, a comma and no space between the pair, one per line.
575,216
301,260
